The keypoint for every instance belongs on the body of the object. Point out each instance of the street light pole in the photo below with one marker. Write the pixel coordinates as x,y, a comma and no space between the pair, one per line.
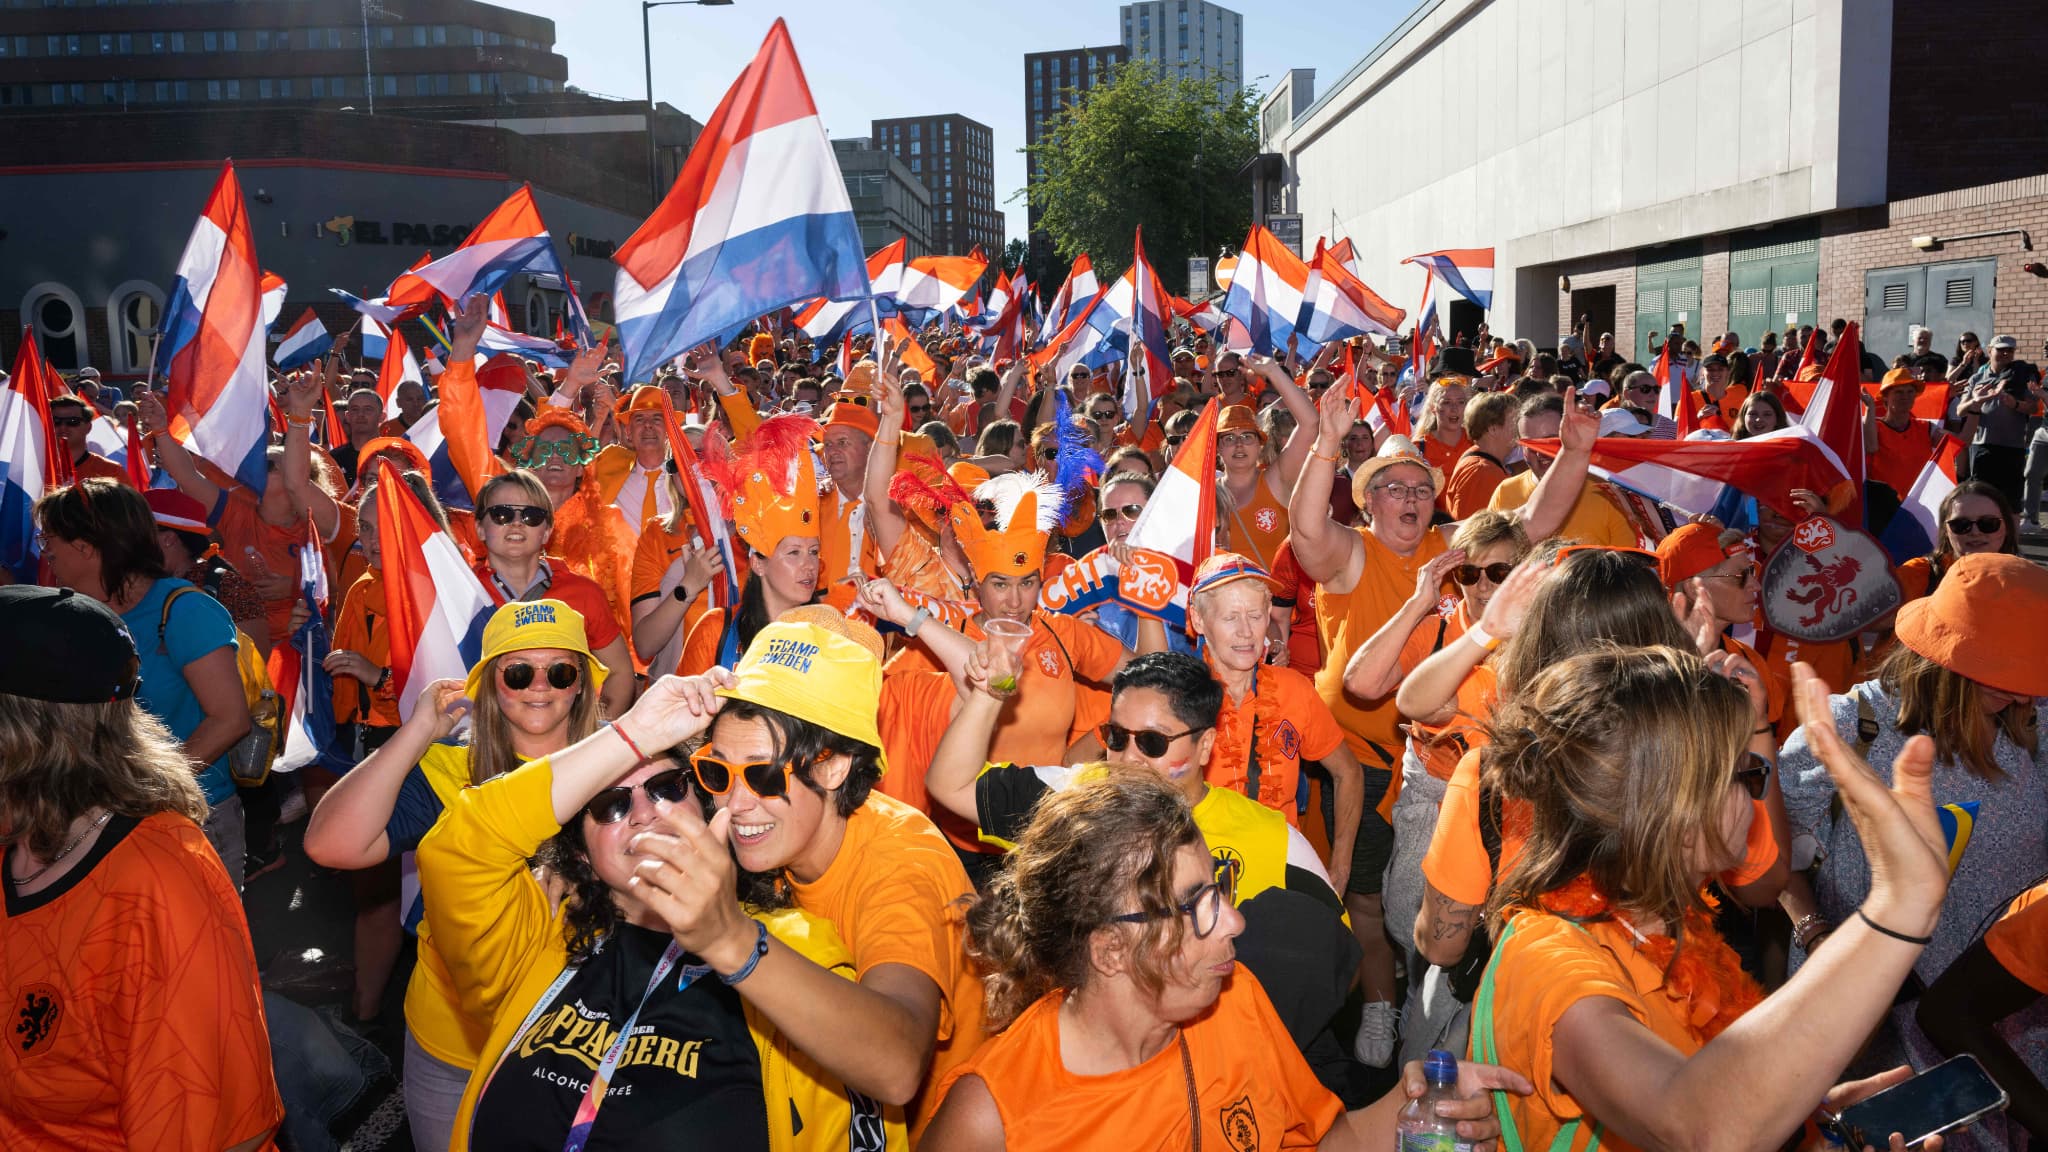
647,59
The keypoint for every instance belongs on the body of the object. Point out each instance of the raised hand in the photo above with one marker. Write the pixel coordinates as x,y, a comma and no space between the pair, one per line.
1429,582
1737,667
583,369
675,709
1336,412
1503,616
685,876
440,705
1579,429
466,327
880,597
149,413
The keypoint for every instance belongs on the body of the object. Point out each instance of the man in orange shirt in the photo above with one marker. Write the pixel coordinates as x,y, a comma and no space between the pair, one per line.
1722,393
72,420
1897,444
847,435
1490,423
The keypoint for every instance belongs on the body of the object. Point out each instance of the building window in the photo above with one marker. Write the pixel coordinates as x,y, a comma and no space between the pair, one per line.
284,88
227,40
422,85
265,90
181,91
441,84
282,40
59,322
419,35
476,83
163,91
391,85
211,40
213,89
133,312
536,313
234,89
263,39
106,44
387,37
319,87
71,46
440,35
177,41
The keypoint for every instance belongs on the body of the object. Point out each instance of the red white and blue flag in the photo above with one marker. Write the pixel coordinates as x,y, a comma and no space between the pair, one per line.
1916,527
512,239
936,283
1267,293
1834,413
214,339
1146,302
307,341
31,461
1466,271
398,367
826,320
1689,475
436,607
1341,306
757,220
298,672
1179,521
456,434
1077,289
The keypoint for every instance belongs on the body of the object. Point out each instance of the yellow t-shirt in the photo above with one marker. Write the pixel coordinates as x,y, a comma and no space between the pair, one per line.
1594,517
433,1009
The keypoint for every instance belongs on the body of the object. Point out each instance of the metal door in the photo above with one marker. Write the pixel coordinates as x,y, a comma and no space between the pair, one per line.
1667,293
1949,298
1773,281
1894,300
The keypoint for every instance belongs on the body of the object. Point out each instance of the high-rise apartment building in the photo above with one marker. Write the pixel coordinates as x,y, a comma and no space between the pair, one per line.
955,158
1052,81
1187,40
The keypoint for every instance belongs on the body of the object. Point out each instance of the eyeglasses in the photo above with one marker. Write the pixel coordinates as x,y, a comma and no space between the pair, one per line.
1205,907
69,421
527,514
1401,492
1103,414
1640,556
1754,774
1981,525
1645,389
542,449
767,779
1112,513
562,675
1748,573
1222,372
1116,737
1234,439
614,804
1469,574
924,407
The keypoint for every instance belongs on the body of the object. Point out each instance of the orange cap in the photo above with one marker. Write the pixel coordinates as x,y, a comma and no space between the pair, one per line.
416,459
643,398
1966,626
1027,510
1691,550
852,410
778,484
1899,377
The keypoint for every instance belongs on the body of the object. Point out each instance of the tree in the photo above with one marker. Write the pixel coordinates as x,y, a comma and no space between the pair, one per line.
1013,255
1142,149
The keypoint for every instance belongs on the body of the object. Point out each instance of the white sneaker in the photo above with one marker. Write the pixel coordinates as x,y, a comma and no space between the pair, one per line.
292,808
1378,1026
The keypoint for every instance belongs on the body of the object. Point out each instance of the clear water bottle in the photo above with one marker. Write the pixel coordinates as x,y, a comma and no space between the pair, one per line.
1421,1129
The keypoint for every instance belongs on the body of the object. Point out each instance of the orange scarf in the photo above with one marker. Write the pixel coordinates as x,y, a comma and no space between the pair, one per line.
1235,743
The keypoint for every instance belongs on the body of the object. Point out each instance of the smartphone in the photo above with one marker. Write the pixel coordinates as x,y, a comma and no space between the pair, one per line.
1942,1099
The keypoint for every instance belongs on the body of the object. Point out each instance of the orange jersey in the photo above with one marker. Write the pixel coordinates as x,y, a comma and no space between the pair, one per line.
1472,483
1347,620
93,464
1259,528
1595,517
1051,708
652,555
257,548
361,628
2020,938
1439,746
135,1019
1255,1092
1441,456
1898,456
895,892
1283,722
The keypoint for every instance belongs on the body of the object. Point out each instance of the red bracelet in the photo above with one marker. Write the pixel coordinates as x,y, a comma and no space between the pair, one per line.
639,756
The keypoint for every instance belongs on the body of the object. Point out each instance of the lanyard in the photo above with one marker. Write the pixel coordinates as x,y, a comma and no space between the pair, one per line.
593,1096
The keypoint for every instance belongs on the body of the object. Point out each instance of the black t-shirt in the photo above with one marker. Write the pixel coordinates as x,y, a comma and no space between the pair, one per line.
690,1076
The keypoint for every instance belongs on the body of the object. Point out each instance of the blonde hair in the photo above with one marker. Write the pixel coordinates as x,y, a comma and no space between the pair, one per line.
1947,706
1426,426
1625,756
1487,527
60,761
490,736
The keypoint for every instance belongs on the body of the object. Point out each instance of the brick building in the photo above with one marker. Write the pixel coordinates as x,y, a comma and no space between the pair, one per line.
1790,161
118,117
955,158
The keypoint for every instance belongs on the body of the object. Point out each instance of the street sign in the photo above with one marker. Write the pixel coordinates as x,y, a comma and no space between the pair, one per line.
1225,269
1198,274
1287,230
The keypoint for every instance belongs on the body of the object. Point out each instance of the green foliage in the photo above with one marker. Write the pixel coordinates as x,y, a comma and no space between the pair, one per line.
1143,150
1013,254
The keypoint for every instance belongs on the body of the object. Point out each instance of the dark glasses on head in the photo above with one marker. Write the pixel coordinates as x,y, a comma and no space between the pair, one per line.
1116,738
1754,774
1112,514
562,675
1981,525
1469,574
615,803
527,514
766,778
1646,558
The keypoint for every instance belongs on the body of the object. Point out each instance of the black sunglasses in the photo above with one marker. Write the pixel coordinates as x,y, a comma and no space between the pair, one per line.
767,778
1116,737
1469,574
527,514
615,803
1754,775
562,675
69,421
1982,525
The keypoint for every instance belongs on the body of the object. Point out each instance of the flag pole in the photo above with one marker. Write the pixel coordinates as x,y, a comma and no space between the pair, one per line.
149,384
881,337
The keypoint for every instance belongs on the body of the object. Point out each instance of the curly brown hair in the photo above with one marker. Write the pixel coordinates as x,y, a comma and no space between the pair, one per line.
1091,851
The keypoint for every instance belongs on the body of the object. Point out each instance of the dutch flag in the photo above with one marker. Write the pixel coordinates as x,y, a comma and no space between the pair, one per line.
1466,271
1267,294
510,240
307,341
436,607
457,434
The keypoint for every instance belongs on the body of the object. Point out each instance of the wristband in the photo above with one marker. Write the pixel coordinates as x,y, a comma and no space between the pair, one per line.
308,422
1900,936
639,757
917,620
1334,459
753,960
1480,636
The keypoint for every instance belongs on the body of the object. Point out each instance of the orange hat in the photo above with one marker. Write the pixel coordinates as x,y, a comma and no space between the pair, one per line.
1966,626
777,486
1239,418
861,376
852,410
1691,550
1228,568
643,398
415,459
968,476
1899,378
1027,510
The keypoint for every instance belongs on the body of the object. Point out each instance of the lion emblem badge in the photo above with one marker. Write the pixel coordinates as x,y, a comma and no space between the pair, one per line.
1827,582
1240,1125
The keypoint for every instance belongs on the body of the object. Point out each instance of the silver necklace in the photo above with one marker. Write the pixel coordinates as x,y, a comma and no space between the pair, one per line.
61,852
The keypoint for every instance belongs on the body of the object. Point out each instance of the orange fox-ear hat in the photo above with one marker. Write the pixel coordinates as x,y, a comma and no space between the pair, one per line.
1026,509
775,494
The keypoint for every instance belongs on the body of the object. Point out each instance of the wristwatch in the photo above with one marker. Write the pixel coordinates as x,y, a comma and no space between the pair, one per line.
683,594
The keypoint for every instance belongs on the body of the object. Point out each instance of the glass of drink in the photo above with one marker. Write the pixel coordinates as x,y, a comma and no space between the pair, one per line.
1005,650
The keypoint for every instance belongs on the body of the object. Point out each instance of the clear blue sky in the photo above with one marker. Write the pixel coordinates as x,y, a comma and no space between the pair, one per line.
876,59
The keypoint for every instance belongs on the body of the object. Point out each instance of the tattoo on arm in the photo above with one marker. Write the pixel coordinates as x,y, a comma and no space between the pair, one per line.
1450,918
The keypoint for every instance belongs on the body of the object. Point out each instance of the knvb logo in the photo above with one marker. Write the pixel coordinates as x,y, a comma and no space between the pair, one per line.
1814,535
36,1017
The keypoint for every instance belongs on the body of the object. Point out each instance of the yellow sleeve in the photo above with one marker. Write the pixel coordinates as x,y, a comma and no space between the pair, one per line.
492,922
739,412
611,468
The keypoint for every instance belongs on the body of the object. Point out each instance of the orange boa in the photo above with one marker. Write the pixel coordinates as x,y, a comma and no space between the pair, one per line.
1230,759
1705,976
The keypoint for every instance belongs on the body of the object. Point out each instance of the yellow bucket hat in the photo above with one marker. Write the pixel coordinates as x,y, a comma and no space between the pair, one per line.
522,626
817,670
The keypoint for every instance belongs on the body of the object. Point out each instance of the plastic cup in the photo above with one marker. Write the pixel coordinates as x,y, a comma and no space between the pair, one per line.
1006,641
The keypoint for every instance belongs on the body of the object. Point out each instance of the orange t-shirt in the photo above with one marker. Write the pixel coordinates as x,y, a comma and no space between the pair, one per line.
1836,662
2020,938
1915,577
1052,707
1256,1092
242,528
1349,619
1456,863
1439,746
1543,966
1258,529
1441,456
896,893
362,628
1293,725
1472,483
657,549
1777,678
135,1018
1304,647
1897,457
93,464
1595,517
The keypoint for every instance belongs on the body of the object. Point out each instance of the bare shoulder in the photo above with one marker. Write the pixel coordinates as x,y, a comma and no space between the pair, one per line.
968,1120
